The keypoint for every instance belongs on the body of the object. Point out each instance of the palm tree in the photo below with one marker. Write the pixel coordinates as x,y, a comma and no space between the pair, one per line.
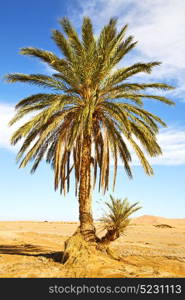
116,219
93,110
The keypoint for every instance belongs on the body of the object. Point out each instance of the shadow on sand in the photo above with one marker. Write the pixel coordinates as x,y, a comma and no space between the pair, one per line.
29,250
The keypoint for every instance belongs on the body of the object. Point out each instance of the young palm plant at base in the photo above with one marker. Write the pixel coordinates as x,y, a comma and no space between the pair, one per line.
93,110
116,220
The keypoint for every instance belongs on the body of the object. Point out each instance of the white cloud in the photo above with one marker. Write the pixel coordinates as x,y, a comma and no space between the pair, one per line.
171,140
158,25
172,143
6,113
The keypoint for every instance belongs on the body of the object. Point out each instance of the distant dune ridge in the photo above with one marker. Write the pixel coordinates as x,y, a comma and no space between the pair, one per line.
155,220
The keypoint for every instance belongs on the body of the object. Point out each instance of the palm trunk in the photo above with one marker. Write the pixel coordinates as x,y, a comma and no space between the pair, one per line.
110,236
85,214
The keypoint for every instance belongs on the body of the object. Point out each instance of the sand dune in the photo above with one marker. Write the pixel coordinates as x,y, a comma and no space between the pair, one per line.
154,220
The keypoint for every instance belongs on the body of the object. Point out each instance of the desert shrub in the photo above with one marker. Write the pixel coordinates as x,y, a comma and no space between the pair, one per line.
116,219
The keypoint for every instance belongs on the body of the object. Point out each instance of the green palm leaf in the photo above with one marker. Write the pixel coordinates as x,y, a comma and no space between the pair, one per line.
117,216
90,101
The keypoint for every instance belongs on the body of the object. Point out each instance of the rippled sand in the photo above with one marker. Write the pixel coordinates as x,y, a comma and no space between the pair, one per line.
34,249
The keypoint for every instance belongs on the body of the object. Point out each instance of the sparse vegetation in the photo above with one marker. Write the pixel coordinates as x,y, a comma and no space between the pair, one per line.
116,220
163,226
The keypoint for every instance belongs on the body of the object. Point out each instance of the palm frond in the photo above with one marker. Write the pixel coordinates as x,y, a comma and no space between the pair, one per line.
117,216
36,79
90,99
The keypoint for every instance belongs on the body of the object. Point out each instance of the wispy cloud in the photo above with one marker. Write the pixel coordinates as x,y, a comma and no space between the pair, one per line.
157,25
172,143
171,140
6,113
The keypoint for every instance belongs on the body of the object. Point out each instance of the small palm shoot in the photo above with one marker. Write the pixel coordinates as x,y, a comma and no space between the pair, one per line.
116,219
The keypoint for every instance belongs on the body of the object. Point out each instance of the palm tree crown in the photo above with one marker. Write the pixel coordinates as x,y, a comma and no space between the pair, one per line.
93,109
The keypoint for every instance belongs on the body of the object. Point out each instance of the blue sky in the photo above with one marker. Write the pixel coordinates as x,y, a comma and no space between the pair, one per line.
159,30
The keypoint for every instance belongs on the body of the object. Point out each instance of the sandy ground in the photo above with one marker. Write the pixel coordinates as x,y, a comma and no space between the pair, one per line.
34,249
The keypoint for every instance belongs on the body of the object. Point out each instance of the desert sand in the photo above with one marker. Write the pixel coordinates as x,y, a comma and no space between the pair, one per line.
34,249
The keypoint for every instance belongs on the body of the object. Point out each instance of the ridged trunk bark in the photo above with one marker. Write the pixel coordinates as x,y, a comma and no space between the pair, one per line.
110,236
87,228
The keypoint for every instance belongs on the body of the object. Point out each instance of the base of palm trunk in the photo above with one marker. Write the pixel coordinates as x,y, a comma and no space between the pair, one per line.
78,250
82,252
